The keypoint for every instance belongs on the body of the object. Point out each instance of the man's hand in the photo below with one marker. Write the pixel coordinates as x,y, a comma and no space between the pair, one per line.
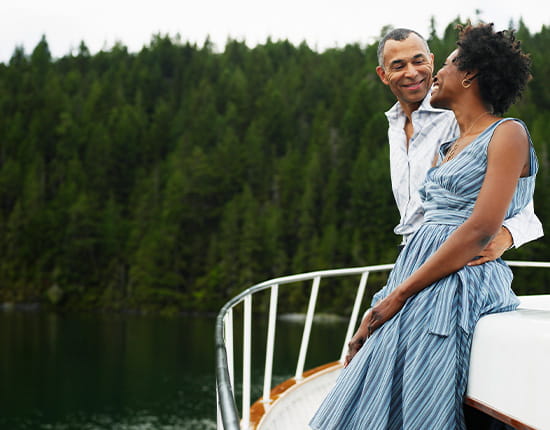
502,241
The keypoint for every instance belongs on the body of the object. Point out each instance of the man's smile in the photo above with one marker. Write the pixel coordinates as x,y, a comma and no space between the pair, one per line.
414,85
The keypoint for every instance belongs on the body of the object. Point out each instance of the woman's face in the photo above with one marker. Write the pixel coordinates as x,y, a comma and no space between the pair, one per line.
446,83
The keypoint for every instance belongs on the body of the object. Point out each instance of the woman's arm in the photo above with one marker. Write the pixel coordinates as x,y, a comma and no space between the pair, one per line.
508,159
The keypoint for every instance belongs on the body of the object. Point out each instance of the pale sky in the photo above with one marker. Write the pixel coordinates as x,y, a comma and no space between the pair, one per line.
321,23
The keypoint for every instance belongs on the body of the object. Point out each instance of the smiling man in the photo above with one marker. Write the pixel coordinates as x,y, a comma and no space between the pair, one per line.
417,130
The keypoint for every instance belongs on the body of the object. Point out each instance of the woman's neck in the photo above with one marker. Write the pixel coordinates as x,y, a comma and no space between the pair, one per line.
473,120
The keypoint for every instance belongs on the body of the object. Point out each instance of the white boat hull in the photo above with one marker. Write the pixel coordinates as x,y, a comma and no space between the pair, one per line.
510,363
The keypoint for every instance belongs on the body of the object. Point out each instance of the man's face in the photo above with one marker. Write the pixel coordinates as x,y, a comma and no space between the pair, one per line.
408,69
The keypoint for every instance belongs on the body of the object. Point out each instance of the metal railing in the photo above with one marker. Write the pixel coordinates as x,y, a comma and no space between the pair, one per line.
228,417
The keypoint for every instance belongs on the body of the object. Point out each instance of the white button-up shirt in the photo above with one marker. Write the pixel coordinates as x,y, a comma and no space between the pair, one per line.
432,127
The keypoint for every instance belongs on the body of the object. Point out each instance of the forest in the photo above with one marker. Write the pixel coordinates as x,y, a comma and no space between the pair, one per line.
172,178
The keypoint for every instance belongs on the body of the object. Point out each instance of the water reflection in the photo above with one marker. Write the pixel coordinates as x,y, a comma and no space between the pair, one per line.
124,372
105,372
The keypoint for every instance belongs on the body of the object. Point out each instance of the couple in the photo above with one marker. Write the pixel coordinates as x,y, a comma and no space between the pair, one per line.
407,365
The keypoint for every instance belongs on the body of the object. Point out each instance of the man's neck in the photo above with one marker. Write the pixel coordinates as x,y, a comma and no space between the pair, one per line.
408,109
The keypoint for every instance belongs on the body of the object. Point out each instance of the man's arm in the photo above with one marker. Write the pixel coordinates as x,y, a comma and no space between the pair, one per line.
525,226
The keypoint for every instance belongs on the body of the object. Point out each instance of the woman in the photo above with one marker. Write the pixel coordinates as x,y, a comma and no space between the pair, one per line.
411,371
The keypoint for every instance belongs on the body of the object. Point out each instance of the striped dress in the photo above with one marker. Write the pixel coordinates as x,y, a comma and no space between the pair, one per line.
412,372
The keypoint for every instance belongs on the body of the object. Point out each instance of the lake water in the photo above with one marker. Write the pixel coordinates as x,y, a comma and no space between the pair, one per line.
127,372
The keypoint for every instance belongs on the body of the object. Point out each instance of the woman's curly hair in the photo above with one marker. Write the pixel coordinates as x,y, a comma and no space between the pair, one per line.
503,69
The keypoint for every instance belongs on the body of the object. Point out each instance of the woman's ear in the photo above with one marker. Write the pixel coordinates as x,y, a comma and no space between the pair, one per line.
470,75
468,78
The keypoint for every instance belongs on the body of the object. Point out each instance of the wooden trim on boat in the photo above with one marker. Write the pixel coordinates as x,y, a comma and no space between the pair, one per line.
257,410
506,419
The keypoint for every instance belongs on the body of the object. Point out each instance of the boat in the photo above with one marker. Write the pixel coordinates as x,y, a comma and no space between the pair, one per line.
498,389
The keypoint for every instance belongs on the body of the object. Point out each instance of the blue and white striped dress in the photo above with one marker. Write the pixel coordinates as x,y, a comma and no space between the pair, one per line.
412,372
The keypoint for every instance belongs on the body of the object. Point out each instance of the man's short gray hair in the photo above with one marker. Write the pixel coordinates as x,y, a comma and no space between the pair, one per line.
396,34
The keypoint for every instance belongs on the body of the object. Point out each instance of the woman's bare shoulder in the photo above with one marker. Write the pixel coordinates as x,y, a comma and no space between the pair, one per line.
510,129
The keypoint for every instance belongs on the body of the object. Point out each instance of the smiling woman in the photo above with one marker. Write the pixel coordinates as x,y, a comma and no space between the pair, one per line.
408,362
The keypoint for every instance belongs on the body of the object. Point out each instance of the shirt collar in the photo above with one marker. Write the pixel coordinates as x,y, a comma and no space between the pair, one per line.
396,110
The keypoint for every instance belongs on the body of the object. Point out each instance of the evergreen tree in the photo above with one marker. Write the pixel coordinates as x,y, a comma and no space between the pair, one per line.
175,177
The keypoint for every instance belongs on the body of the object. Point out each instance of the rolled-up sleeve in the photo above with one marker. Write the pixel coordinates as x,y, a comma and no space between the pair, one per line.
525,226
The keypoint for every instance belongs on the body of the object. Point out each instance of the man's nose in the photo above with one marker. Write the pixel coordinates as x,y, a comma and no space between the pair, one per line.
410,70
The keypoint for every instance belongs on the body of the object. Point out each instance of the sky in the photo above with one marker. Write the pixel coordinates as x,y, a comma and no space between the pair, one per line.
321,24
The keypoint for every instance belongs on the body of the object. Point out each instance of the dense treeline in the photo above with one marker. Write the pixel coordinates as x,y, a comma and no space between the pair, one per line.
177,176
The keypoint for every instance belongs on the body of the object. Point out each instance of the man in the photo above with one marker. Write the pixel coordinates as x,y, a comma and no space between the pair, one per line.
416,131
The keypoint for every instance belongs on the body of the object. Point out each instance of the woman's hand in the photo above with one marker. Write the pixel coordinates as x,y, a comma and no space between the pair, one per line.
384,310
357,340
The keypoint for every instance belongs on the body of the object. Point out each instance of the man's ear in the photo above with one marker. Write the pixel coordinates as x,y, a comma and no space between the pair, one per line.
382,75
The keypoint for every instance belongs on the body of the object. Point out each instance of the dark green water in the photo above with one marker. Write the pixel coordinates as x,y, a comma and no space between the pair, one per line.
112,372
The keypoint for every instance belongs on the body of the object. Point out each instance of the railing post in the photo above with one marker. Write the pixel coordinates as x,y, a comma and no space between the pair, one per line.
247,343
219,422
270,343
307,328
228,331
354,314
225,389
